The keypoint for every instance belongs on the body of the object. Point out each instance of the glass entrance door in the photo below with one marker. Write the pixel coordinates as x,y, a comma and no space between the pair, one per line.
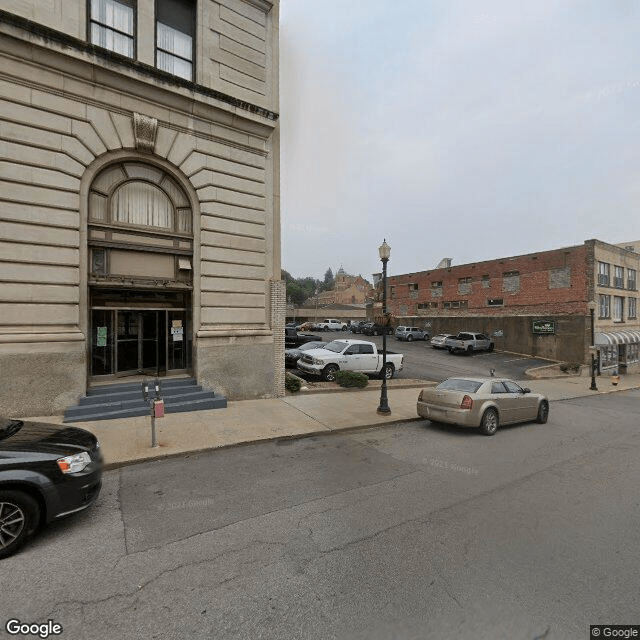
139,341
137,344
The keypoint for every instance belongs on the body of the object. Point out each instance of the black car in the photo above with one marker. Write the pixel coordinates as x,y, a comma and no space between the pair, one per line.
293,339
375,329
291,356
47,471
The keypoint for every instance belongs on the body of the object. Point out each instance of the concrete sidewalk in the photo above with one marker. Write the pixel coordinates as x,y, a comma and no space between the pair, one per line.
128,440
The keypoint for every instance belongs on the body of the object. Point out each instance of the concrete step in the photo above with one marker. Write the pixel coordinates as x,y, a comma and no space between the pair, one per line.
123,400
136,394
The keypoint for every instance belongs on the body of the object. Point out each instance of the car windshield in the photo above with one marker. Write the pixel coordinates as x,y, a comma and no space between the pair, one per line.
9,427
311,345
459,384
337,345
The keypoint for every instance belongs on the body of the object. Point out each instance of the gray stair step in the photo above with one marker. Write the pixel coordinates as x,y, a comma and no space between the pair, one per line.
136,394
125,387
124,400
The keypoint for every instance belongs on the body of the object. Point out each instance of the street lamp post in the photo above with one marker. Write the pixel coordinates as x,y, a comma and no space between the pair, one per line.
592,310
385,251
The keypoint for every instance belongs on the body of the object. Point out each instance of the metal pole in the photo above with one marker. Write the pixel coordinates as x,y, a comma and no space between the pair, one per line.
384,405
593,386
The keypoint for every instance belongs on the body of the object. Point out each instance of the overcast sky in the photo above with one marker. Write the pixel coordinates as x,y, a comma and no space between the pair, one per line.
456,128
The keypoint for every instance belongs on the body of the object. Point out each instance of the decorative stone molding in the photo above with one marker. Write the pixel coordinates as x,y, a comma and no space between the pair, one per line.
145,130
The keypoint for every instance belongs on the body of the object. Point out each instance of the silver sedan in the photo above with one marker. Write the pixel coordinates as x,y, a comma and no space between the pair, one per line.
482,402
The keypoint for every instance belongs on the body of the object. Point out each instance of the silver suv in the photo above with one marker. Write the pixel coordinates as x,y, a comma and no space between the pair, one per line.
411,333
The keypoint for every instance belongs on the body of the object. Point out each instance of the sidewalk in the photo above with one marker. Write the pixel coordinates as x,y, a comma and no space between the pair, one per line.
125,441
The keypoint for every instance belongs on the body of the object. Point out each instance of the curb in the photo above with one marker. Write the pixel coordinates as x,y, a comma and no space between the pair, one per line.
111,466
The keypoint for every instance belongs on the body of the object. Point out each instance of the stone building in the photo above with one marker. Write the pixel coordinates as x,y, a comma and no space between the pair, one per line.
348,289
552,304
139,198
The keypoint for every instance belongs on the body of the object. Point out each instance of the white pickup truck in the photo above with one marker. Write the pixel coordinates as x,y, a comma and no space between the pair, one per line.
331,324
466,342
349,355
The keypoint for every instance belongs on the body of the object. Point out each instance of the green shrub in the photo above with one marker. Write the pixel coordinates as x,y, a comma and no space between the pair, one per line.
570,367
292,383
351,379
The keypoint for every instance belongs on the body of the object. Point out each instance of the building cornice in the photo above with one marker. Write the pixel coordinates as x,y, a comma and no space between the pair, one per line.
50,36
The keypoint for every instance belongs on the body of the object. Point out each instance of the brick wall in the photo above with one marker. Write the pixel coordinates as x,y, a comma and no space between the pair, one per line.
278,312
549,282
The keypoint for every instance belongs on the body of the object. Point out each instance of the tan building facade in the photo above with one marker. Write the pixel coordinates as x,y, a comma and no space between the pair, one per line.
139,200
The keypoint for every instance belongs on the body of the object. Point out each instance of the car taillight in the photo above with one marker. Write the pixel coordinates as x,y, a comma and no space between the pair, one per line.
420,396
467,403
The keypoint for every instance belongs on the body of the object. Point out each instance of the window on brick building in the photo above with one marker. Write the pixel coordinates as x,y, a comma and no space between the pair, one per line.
486,282
605,306
466,280
618,277
631,279
632,308
618,309
392,292
495,302
436,284
511,281
604,269
427,305
413,286
112,25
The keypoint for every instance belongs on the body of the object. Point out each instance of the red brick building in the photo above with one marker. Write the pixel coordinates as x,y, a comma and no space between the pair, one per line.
538,304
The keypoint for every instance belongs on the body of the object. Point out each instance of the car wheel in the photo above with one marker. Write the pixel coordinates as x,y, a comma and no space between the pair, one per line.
409,338
19,516
329,373
543,412
490,422
344,328
388,371
450,349
491,347
375,333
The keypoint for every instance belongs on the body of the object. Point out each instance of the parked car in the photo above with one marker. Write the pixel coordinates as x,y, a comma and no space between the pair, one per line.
47,471
293,339
291,356
349,355
356,327
467,342
375,329
485,403
410,333
331,324
438,341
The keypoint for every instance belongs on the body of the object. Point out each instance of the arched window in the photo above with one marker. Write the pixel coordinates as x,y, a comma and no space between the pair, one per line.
137,195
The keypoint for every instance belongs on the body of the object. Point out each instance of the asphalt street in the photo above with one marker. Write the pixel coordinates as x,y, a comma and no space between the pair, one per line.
406,531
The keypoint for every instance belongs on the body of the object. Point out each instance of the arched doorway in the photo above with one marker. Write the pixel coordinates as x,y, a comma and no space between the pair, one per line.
140,253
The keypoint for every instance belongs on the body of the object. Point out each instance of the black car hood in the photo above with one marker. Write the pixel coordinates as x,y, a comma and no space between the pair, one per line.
47,438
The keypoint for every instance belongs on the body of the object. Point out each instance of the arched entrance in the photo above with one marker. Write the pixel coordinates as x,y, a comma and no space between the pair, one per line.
140,253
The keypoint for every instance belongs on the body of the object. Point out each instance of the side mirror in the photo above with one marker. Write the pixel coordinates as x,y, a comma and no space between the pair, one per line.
526,390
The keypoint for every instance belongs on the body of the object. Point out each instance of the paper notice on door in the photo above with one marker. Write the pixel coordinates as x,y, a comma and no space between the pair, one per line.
177,333
176,323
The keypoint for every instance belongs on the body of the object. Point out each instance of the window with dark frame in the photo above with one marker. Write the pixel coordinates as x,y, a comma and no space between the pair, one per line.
604,270
631,279
618,277
112,25
605,307
175,34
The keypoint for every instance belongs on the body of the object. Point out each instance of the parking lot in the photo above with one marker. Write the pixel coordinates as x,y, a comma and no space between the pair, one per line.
423,362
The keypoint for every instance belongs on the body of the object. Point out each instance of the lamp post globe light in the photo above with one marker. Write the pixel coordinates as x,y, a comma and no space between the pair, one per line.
385,251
